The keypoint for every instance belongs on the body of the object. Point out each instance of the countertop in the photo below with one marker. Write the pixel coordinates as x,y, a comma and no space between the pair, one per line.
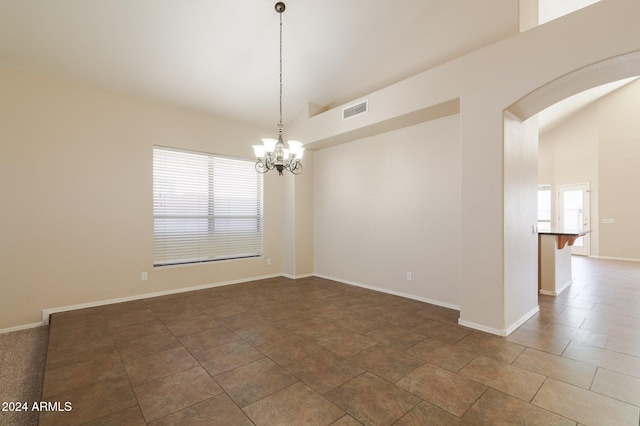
568,232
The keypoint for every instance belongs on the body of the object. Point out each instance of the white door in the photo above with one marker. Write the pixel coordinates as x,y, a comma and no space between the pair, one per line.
573,213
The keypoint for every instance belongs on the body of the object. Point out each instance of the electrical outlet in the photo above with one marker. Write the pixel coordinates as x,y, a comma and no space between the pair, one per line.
409,276
144,276
269,262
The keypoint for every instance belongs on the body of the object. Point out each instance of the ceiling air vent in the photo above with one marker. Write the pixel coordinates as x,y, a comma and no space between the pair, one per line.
354,110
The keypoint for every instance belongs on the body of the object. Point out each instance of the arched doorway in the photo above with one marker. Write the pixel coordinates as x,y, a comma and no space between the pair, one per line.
520,140
599,73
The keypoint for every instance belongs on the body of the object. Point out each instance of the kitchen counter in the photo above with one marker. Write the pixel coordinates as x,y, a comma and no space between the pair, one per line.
554,259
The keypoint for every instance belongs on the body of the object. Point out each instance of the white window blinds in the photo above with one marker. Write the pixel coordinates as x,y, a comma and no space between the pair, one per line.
205,207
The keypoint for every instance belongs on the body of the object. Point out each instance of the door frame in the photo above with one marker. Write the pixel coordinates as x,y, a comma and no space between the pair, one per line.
584,250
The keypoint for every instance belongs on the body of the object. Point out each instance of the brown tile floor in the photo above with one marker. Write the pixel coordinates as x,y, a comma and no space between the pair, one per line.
316,352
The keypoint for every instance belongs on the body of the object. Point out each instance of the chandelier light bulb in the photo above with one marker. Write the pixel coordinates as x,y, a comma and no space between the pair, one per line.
269,144
259,150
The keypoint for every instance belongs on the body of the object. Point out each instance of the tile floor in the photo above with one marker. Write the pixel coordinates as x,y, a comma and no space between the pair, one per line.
317,352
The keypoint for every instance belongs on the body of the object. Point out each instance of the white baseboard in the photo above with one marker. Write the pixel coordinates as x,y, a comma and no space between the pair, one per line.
522,320
481,327
46,313
625,259
557,291
497,331
22,327
468,324
297,277
395,293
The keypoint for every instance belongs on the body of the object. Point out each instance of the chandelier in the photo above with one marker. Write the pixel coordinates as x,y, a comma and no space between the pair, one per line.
272,154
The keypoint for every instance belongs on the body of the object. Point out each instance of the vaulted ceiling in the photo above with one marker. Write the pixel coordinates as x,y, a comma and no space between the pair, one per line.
222,56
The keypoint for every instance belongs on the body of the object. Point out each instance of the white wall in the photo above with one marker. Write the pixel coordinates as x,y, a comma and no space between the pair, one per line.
390,204
520,206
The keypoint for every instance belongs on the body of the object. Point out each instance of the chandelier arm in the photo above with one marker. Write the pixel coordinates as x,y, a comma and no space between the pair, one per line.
295,168
261,167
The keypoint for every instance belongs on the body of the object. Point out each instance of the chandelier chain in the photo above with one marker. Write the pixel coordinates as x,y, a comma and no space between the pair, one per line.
272,154
280,72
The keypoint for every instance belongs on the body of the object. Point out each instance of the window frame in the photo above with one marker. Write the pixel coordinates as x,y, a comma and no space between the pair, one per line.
194,193
544,197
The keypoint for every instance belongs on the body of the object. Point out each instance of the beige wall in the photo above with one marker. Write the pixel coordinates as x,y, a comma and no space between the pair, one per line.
76,219
619,172
601,145
569,155
304,190
70,155
546,161
487,82
388,205
297,237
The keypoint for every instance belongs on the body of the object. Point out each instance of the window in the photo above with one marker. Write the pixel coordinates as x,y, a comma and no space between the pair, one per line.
544,206
548,10
205,207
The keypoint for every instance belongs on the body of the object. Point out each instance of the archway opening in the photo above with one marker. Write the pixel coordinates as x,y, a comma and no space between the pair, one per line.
521,140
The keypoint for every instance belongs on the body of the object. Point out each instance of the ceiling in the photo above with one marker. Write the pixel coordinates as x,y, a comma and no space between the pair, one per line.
550,118
221,57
